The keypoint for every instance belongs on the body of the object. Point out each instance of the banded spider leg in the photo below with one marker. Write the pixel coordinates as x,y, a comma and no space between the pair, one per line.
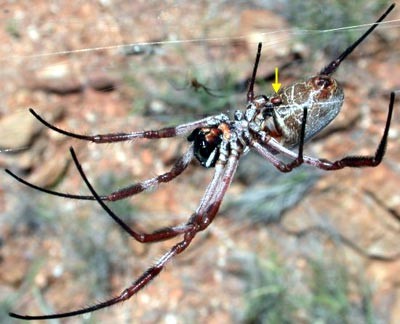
225,168
268,125
199,221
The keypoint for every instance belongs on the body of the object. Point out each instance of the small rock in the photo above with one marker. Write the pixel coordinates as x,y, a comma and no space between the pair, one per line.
101,82
50,171
57,78
17,130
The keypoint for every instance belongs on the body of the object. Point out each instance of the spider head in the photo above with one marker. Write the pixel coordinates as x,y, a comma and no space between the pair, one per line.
206,145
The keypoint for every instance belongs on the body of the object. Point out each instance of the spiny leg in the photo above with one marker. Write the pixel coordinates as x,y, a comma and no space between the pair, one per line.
363,161
120,137
159,235
349,161
212,207
332,67
281,166
299,160
193,226
139,284
179,166
250,92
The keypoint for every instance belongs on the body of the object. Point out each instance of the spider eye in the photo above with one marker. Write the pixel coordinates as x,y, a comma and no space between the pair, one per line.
322,81
276,101
206,145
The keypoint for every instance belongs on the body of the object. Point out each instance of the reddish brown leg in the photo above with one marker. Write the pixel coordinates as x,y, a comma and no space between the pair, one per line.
120,137
180,165
207,211
281,166
159,235
212,207
141,282
361,161
349,161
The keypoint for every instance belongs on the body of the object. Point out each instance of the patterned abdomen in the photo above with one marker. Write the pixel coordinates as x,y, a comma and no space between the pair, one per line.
320,95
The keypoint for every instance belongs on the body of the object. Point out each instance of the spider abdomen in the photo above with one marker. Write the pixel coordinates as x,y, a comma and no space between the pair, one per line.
320,95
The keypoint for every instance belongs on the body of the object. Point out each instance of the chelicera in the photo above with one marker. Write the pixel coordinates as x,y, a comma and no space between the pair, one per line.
267,125
206,142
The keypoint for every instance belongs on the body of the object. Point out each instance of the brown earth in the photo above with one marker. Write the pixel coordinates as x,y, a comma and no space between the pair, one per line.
57,254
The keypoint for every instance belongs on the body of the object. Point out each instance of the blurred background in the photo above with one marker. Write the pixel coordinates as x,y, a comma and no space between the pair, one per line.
305,247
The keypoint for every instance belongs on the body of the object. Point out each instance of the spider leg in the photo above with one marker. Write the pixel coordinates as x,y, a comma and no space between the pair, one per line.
212,206
348,161
281,166
180,165
209,194
120,137
332,67
139,284
250,92
206,211
363,161
159,235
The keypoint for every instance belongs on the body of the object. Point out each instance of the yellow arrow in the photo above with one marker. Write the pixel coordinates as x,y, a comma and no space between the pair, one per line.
276,85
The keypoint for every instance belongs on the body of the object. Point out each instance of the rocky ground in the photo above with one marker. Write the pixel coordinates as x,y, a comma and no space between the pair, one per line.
302,247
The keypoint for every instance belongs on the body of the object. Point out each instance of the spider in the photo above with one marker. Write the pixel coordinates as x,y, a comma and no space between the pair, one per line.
268,126
196,85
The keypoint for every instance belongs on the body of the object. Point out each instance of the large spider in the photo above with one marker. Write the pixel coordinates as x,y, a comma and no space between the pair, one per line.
268,125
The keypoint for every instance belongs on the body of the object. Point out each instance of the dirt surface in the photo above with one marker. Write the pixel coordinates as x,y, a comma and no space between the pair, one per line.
71,63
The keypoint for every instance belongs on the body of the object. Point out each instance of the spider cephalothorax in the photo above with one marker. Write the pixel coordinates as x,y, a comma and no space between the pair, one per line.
268,126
